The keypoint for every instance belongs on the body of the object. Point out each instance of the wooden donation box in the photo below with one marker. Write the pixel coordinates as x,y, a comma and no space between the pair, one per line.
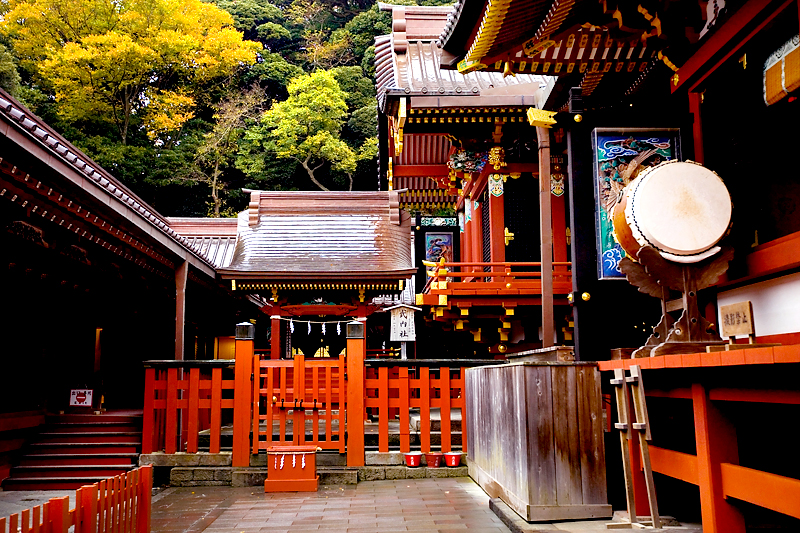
291,469
535,438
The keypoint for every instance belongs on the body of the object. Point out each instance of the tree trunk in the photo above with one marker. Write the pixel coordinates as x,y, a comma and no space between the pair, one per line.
310,172
214,189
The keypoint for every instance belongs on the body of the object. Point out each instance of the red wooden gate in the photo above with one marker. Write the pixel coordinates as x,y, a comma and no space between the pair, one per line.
299,401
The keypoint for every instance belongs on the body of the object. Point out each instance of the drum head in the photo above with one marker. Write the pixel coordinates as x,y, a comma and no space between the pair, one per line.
680,208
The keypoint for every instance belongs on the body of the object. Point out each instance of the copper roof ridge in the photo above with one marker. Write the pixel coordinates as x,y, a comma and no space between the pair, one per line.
39,131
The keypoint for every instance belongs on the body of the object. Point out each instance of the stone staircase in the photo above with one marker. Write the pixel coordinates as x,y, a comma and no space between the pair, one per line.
73,450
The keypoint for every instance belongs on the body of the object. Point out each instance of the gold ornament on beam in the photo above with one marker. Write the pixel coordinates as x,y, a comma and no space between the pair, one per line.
541,118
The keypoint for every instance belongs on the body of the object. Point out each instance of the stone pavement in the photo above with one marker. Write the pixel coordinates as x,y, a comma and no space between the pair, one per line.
429,504
432,505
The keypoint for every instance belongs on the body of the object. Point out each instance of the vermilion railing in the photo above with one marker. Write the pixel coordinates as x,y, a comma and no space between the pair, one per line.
283,404
183,398
120,504
398,387
497,275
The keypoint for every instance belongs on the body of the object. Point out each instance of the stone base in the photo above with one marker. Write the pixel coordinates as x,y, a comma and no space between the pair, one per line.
181,476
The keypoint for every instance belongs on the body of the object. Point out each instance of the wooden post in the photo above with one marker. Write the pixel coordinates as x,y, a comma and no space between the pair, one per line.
181,277
356,353
546,232
716,443
697,126
242,402
477,234
59,514
148,418
497,222
276,348
87,503
145,498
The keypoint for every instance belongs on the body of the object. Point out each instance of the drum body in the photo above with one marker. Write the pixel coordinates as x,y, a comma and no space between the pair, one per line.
681,209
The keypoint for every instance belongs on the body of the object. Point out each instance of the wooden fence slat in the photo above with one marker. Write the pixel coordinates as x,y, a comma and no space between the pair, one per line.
101,505
59,514
256,422
444,407
383,409
314,398
216,409
36,514
26,521
170,446
282,412
270,386
342,386
2,524
148,418
405,442
590,427
566,438
145,498
329,405
13,523
425,409
46,518
193,410
88,506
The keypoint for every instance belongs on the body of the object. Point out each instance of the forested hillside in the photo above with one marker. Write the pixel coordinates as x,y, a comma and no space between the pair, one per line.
188,102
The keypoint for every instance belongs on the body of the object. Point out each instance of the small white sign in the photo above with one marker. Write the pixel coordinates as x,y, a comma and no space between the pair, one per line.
80,397
402,324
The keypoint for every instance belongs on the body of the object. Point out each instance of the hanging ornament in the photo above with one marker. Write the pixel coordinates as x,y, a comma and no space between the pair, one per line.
309,328
338,328
291,325
294,460
304,461
323,328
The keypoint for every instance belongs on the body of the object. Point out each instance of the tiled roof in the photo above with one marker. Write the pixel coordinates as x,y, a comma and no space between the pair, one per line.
117,195
297,235
213,237
408,62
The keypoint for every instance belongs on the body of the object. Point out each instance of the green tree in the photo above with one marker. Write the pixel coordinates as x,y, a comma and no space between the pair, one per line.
9,75
117,60
304,128
219,146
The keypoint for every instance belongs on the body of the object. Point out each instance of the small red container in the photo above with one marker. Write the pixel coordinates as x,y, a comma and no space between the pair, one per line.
434,460
413,458
452,458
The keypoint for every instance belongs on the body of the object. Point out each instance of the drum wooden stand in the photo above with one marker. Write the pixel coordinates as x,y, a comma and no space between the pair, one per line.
656,276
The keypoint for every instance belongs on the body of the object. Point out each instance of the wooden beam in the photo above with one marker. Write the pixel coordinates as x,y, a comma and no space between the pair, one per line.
695,99
546,234
356,353
275,337
181,277
696,69
778,493
423,171
242,402
679,465
496,226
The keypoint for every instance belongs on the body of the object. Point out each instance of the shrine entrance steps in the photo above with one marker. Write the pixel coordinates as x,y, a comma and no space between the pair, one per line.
73,450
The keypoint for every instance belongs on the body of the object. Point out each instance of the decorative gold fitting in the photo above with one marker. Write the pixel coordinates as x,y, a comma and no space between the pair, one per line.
508,236
586,296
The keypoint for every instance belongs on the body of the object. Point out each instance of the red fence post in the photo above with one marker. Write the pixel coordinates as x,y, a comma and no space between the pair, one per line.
86,507
356,352
145,498
59,514
716,443
149,411
242,402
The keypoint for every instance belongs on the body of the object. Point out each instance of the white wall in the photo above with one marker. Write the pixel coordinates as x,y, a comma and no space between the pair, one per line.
776,304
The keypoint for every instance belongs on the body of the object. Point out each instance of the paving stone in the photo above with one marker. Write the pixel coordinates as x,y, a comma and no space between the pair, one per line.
223,474
458,471
203,474
371,473
180,475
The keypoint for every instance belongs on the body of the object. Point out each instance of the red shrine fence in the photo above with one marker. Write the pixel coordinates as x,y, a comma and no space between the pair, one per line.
193,406
120,504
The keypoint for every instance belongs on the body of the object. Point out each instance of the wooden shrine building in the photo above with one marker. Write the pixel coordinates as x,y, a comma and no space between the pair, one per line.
319,258
463,141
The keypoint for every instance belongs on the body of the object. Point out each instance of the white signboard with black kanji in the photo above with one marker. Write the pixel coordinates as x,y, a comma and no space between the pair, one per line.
80,397
402,324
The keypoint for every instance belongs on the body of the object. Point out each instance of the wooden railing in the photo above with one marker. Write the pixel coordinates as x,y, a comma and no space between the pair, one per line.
524,277
120,504
395,388
183,398
319,398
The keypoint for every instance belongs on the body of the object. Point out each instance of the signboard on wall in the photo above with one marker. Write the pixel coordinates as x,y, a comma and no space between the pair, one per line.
80,397
620,156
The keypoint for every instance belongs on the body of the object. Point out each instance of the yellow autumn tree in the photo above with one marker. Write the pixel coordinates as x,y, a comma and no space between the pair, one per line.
123,59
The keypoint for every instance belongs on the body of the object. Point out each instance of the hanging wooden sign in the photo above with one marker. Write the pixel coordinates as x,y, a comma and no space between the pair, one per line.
402,324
